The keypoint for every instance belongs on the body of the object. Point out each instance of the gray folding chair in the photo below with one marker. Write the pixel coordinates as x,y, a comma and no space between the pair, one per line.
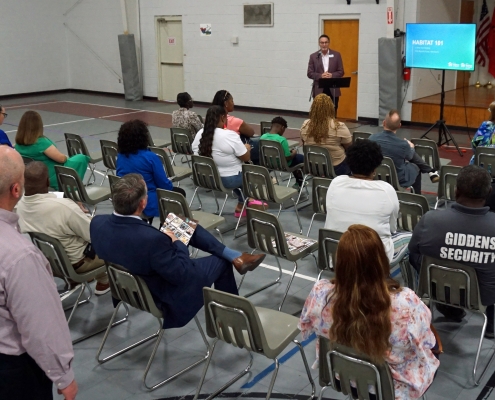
265,126
76,145
62,268
236,321
173,202
112,180
70,183
485,157
450,283
257,184
130,289
319,196
109,152
447,184
175,174
412,208
386,172
206,176
265,234
428,151
358,135
181,143
328,242
318,162
352,366
161,143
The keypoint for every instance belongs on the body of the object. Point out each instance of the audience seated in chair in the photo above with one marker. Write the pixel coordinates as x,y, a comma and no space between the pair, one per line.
35,344
364,309
224,99
464,233
484,136
4,139
135,157
279,125
31,143
227,150
360,198
408,163
322,129
183,117
62,219
175,280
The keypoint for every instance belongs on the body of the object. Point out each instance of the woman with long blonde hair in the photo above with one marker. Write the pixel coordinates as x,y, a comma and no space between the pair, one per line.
323,129
363,308
30,142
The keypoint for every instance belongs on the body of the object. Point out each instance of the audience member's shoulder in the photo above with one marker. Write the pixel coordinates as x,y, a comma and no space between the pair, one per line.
405,298
323,287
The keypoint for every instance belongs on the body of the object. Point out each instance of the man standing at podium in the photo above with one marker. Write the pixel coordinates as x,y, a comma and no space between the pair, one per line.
325,63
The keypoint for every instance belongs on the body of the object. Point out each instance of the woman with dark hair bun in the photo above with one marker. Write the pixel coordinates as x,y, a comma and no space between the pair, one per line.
363,308
360,198
135,158
227,150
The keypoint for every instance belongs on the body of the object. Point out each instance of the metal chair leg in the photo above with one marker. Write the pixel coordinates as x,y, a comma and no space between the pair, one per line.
219,234
323,390
199,199
311,224
308,371
297,215
92,168
76,304
229,383
239,219
288,286
477,382
272,381
265,286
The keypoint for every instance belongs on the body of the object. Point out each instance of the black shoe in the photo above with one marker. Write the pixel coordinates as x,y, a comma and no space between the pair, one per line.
451,313
489,335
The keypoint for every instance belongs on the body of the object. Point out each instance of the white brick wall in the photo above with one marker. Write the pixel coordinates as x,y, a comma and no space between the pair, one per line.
32,46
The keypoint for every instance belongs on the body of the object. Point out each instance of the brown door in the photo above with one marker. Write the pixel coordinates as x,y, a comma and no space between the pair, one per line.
344,38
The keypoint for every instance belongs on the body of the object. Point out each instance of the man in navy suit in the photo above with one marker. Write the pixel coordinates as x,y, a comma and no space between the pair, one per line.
325,63
175,281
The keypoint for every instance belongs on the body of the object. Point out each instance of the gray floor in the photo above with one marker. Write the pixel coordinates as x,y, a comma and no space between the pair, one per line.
121,378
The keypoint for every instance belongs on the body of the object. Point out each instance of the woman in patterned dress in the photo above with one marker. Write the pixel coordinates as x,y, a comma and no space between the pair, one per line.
484,136
363,308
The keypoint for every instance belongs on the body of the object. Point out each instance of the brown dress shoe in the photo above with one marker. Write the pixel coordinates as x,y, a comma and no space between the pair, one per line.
248,262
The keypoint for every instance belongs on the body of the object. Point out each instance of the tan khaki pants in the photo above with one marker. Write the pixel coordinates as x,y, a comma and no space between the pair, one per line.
90,265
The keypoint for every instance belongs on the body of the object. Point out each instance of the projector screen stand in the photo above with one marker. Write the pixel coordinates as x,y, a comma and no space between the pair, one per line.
444,135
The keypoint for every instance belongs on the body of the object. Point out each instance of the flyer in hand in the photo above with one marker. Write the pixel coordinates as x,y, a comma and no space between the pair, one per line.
296,244
183,228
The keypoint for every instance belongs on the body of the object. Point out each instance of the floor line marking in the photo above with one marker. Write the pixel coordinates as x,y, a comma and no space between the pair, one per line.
281,360
29,105
285,271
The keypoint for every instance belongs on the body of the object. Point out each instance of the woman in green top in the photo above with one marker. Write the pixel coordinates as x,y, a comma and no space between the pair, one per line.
30,142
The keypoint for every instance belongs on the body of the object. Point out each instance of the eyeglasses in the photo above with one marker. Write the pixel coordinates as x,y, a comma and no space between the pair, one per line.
4,114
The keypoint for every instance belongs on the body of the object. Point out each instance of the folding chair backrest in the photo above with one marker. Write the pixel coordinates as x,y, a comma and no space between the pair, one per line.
328,241
109,152
359,135
318,162
319,194
113,179
55,253
428,151
350,365
448,181
70,183
27,160
232,319
131,289
449,282
172,202
265,126
257,182
206,175
412,208
485,157
265,233
272,155
181,140
75,145
386,172
165,159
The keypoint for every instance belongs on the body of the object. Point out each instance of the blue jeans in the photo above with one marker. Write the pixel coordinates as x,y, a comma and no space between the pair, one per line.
234,182
342,169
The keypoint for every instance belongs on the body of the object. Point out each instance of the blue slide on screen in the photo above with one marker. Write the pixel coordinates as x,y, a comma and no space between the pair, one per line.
441,46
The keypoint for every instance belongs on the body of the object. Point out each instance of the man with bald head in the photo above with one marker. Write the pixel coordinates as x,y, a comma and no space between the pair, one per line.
61,219
408,163
35,343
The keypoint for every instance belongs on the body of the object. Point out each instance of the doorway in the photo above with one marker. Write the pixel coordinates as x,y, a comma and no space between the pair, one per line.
344,38
170,57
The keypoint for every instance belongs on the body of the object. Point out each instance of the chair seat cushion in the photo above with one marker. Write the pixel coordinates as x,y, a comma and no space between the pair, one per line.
95,156
162,143
181,173
208,220
284,193
279,328
98,193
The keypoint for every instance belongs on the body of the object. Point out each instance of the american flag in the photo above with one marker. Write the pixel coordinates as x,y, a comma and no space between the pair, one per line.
482,36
